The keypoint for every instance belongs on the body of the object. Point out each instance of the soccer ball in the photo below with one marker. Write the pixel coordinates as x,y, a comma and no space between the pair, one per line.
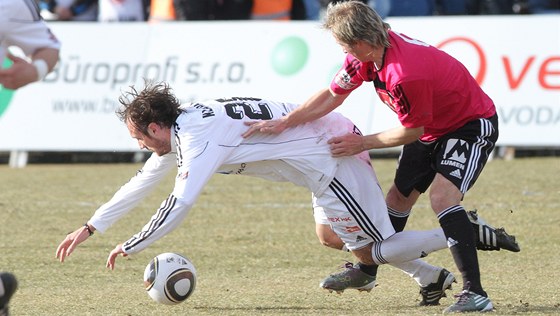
170,278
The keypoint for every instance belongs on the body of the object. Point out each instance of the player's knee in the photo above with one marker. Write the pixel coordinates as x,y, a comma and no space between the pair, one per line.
398,201
440,203
442,197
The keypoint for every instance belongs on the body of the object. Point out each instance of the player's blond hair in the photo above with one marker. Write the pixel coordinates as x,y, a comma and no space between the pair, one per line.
353,21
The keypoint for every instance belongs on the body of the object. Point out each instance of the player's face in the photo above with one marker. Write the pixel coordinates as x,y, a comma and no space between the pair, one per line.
360,50
157,140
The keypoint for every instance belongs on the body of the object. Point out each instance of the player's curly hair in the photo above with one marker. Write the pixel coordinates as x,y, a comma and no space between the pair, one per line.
353,21
156,103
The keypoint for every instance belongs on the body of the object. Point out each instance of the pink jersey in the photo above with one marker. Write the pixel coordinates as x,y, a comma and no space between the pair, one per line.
422,84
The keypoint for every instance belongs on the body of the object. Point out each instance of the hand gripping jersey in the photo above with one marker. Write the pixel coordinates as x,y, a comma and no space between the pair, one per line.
207,138
422,84
21,25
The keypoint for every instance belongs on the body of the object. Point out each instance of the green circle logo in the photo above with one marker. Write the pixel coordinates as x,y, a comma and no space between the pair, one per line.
5,94
289,56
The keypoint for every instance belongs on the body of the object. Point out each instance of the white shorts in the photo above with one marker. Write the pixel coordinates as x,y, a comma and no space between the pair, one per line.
354,205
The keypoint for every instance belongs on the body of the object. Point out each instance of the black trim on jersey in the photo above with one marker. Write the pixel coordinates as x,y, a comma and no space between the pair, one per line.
352,67
403,101
355,210
178,144
160,217
377,83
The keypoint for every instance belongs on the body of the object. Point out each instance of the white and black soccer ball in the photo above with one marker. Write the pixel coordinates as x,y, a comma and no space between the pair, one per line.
170,278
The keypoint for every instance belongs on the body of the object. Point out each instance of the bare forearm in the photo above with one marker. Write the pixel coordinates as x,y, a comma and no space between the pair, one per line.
320,104
392,137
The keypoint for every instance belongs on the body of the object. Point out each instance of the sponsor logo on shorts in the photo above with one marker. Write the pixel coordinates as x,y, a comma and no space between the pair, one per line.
352,229
339,219
451,242
360,238
456,173
455,155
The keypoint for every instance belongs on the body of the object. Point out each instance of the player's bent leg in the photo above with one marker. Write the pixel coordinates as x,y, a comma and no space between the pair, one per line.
360,276
400,247
404,245
8,286
489,238
433,281
408,245
433,292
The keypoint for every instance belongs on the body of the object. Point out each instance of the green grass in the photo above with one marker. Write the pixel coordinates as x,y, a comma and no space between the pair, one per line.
254,245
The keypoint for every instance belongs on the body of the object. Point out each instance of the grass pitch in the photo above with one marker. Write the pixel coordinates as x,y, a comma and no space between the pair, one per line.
254,245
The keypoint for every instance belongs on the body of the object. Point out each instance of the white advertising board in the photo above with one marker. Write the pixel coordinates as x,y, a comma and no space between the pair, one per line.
515,59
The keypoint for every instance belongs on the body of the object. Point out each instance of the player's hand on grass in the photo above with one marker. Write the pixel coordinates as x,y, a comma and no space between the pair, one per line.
113,256
71,241
346,145
266,127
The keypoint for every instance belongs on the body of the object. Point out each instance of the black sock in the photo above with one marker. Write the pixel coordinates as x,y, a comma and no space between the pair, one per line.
368,269
398,219
459,233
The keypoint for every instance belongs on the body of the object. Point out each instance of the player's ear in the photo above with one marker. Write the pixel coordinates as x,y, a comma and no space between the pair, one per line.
153,128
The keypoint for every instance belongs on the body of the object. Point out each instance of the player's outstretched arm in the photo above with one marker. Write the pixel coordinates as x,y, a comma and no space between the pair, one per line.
315,107
72,240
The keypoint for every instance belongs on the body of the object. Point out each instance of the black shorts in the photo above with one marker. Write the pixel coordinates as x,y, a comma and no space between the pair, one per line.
459,156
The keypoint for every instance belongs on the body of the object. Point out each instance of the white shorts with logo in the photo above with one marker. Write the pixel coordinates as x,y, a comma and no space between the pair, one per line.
354,205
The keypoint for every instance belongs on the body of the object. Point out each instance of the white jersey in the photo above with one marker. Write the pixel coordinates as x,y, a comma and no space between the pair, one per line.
21,25
207,140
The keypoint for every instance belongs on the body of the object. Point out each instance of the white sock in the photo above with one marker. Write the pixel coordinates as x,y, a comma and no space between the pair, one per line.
422,272
408,245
